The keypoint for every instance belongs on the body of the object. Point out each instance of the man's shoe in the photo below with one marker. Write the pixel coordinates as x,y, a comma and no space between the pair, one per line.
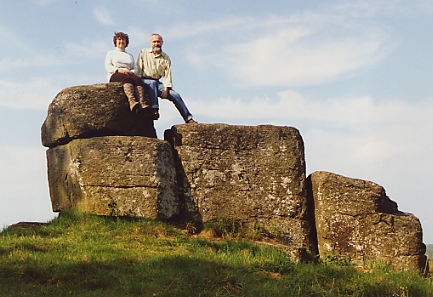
144,105
155,114
134,106
191,121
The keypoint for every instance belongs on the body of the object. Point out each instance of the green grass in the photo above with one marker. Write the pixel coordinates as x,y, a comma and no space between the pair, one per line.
79,255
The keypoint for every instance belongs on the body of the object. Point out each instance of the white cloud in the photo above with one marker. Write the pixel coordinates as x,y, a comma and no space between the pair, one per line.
103,16
149,2
24,193
138,38
89,49
31,60
14,62
359,8
235,28
295,50
368,8
189,29
285,58
43,2
12,38
33,94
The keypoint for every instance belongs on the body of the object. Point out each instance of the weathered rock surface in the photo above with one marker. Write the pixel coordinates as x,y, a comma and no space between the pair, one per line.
91,111
114,175
355,219
255,175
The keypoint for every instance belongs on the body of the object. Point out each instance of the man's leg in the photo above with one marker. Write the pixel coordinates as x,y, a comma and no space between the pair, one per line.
153,85
174,97
154,93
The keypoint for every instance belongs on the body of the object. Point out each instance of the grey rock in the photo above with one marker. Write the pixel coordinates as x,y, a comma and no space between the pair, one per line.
114,175
252,174
356,220
91,111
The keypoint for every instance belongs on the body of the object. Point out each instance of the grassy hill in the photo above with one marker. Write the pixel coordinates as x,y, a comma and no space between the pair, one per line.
77,255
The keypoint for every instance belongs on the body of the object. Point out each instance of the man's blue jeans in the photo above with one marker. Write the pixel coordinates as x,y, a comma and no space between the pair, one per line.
156,88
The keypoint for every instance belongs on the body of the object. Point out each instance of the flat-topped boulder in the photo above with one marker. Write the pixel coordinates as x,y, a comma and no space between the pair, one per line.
92,111
254,175
356,220
114,175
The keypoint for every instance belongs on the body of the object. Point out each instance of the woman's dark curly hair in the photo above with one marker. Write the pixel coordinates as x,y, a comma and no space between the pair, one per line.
120,35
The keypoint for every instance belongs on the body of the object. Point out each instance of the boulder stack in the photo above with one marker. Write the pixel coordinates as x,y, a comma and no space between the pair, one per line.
356,220
100,160
105,160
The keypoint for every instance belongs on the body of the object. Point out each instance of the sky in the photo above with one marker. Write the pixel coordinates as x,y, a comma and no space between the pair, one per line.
354,77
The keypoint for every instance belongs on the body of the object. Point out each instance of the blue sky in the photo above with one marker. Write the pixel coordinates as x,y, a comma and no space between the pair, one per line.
353,76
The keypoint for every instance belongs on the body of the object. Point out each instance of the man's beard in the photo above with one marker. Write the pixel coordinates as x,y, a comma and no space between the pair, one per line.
157,50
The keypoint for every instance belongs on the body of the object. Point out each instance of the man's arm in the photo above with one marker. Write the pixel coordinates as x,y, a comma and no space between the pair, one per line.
167,79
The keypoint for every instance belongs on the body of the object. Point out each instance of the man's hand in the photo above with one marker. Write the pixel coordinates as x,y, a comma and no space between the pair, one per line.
164,94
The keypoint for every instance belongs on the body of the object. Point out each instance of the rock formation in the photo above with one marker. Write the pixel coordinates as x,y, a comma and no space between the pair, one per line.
114,175
105,160
356,220
255,175
91,111
93,171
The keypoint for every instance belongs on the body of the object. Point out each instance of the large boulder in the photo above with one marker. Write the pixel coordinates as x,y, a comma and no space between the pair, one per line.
91,111
356,220
114,175
252,174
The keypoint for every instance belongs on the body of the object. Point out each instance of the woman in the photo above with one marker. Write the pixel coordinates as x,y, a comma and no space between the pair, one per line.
121,68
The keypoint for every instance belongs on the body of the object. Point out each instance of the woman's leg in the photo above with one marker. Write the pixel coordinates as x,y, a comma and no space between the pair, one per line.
141,98
140,88
128,88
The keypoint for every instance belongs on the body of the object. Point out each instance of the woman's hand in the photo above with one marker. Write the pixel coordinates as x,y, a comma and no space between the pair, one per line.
123,71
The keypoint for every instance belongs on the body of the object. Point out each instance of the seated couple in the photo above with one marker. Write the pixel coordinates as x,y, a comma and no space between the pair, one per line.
152,65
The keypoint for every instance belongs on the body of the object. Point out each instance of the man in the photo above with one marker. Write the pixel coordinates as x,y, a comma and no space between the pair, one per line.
153,64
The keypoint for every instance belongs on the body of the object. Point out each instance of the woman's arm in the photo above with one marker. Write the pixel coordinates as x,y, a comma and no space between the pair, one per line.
109,64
